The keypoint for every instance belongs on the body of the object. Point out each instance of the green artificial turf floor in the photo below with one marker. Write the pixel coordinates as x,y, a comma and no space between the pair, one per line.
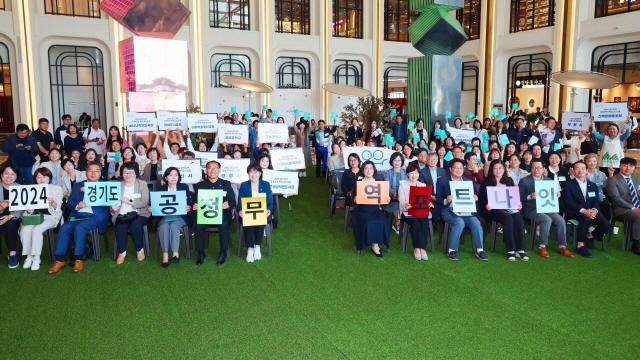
315,298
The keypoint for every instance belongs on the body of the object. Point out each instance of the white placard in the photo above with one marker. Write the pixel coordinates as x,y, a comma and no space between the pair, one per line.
172,120
205,157
233,134
287,159
610,111
282,182
379,156
24,197
190,169
462,135
462,200
234,170
202,123
139,121
273,133
576,121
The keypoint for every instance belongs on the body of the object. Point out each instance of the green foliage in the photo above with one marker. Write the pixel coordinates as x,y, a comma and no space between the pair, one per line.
366,110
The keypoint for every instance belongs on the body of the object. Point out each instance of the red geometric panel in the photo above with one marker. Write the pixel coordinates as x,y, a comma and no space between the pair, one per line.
151,18
127,66
117,9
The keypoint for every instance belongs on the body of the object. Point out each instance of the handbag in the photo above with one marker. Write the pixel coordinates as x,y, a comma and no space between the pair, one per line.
35,219
126,218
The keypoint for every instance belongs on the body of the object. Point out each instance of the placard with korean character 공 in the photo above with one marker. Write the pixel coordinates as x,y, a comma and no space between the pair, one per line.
210,207
168,203
254,211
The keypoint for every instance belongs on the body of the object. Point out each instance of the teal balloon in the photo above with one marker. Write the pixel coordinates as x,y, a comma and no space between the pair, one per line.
247,114
274,113
296,112
393,112
447,115
470,115
333,115
307,115
494,112
502,117
514,106
234,110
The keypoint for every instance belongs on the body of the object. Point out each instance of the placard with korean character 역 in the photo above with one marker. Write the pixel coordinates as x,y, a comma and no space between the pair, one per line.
372,193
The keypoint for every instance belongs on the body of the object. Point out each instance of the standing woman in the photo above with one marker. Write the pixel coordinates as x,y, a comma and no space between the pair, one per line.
31,235
370,224
132,214
153,167
169,227
73,140
110,166
612,146
374,134
54,165
349,179
511,220
255,187
418,226
9,221
114,135
302,140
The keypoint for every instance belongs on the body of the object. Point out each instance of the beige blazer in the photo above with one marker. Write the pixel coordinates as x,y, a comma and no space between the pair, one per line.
141,204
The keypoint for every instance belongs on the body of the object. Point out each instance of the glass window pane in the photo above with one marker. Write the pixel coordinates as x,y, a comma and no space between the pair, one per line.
230,14
82,8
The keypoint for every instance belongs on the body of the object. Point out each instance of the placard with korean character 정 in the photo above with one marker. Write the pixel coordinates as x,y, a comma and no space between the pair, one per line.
372,193
420,198
102,193
254,211
168,203
210,207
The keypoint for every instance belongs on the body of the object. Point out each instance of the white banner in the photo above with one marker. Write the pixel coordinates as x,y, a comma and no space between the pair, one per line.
610,111
462,135
24,197
172,120
282,182
202,123
575,121
379,156
205,157
273,133
234,170
233,134
135,121
287,159
190,169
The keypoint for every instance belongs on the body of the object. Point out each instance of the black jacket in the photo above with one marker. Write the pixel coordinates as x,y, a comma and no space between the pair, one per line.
220,184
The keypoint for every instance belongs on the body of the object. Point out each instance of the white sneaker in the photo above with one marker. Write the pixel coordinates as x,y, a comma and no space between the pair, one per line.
35,266
27,262
424,257
256,253
250,255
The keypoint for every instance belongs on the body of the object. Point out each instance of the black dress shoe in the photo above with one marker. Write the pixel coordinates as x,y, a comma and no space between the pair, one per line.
583,251
221,259
175,260
200,259
165,264
377,254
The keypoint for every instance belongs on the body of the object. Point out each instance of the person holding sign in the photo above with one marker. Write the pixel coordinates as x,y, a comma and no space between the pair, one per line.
169,227
254,188
83,219
214,182
458,220
417,225
31,235
370,224
323,139
583,204
510,219
611,146
9,220
132,214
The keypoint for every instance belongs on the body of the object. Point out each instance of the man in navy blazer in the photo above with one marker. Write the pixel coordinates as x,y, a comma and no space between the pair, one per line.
83,219
430,175
582,203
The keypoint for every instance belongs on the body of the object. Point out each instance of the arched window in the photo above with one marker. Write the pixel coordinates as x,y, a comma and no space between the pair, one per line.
613,7
229,14
292,16
347,72
81,8
293,73
347,18
77,81
469,17
397,19
229,64
529,72
531,14
470,71
6,92
621,61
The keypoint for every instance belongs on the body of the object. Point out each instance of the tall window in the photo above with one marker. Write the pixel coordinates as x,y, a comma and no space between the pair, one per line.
621,61
531,14
77,81
229,64
529,73
347,18
230,14
293,73
470,71
395,84
82,8
6,98
613,7
397,19
469,17
347,72
293,16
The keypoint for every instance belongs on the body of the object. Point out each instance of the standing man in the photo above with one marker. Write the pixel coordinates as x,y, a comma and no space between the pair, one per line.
622,190
213,182
95,138
22,150
323,141
353,132
399,129
267,118
57,138
44,139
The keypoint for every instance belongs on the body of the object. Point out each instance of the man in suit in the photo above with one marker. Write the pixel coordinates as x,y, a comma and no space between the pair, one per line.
582,203
520,133
214,182
623,193
545,221
354,132
83,219
429,175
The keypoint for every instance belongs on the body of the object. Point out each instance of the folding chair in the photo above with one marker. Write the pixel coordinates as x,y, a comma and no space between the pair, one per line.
404,232
186,235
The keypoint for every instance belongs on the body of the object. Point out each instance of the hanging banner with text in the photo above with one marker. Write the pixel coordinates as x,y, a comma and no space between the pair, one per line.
287,159
172,120
233,134
282,182
273,133
576,121
190,169
379,156
140,122
202,123
610,111
234,170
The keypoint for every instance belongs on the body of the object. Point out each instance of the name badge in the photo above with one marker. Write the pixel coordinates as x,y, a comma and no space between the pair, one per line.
136,196
264,195
591,194
224,193
562,178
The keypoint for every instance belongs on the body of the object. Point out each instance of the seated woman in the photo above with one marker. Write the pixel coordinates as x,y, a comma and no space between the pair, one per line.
110,166
511,220
31,235
418,226
53,165
153,167
349,179
515,171
89,155
9,221
69,176
336,160
132,214
370,224
169,227
255,187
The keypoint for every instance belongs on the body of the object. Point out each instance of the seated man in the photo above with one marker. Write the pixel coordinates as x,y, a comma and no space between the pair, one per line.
213,182
583,204
622,190
82,220
545,221
458,221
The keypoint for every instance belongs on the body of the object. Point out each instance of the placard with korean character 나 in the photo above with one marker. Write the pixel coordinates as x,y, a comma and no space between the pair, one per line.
503,197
